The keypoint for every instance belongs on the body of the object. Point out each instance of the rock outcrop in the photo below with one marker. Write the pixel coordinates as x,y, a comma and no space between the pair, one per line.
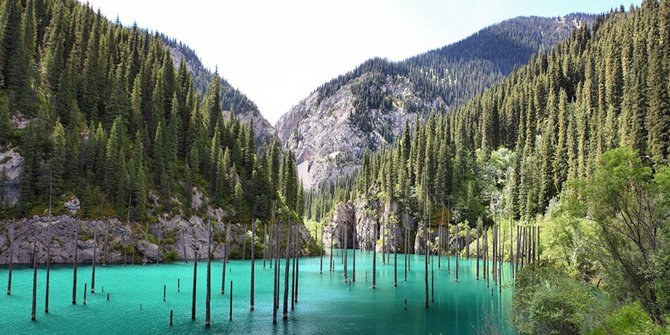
10,172
116,241
368,108
390,224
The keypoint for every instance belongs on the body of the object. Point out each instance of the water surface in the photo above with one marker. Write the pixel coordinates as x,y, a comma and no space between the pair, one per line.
327,304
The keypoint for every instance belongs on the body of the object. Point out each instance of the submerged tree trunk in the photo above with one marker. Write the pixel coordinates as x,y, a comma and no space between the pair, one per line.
223,271
11,262
208,289
74,265
244,243
321,253
297,264
406,250
275,293
346,248
374,257
353,254
426,261
34,307
332,237
253,259
395,257
195,279
95,252
448,249
458,249
48,279
286,269
478,256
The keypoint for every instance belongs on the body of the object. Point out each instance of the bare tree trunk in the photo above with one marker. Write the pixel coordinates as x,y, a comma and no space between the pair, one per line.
382,228
74,265
538,244
448,249
467,245
46,292
195,278
265,244
230,318
208,290
511,246
478,256
353,255
34,309
332,237
406,250
253,259
275,293
293,232
11,262
395,256
425,228
374,256
346,248
95,252
223,271
297,264
286,269
244,243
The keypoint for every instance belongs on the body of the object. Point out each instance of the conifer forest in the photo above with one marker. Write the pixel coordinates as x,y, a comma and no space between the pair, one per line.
514,182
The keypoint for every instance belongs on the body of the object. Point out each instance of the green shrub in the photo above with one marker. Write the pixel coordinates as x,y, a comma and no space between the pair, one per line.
548,301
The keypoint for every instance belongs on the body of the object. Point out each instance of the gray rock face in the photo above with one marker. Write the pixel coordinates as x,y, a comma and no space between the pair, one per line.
329,135
366,217
10,172
329,143
167,239
369,220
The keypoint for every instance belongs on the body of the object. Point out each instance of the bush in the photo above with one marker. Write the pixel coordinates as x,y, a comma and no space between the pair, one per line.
629,319
547,301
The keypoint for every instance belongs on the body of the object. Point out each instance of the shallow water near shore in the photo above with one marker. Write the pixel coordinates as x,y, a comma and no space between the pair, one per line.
327,304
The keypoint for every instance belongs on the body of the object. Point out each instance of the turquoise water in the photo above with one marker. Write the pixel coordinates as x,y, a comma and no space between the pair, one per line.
326,303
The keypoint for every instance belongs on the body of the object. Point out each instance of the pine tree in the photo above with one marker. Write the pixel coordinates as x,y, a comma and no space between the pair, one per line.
659,110
6,129
212,101
13,46
119,104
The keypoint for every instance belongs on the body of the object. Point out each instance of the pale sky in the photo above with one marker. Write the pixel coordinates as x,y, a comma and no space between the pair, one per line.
277,52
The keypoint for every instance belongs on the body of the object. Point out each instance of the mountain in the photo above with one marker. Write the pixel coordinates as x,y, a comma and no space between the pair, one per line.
231,98
106,121
367,108
573,149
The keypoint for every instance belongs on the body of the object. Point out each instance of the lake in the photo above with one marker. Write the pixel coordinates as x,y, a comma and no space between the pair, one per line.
327,303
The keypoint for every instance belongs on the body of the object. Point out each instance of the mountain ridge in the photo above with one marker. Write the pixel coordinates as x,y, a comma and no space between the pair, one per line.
379,97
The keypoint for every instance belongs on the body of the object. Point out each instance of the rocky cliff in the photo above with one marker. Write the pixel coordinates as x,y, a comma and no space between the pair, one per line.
118,242
365,221
367,108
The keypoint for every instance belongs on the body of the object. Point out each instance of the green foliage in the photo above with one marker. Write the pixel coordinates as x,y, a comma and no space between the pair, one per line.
546,301
114,120
630,206
629,319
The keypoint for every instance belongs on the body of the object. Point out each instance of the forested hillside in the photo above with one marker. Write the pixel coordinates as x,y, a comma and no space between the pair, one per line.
367,108
549,122
576,142
232,100
100,113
